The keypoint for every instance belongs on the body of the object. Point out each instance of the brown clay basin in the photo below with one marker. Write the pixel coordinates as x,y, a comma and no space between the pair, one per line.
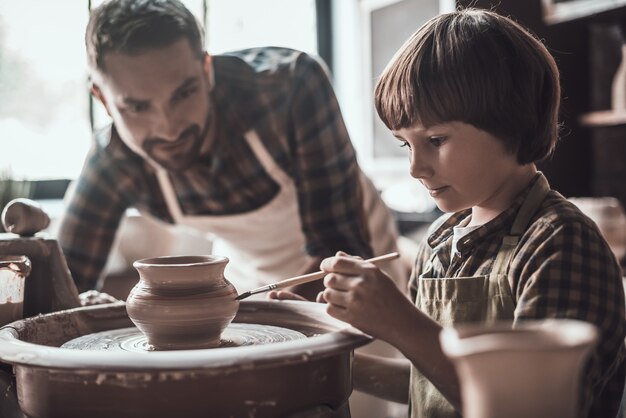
273,377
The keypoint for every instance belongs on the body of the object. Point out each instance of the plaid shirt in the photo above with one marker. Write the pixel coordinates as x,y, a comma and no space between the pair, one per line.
286,96
562,268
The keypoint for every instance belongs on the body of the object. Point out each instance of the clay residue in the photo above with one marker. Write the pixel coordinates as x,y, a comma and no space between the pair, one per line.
10,311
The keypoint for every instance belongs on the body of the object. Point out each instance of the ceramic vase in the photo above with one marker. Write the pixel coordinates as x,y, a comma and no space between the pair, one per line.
533,370
13,271
182,302
618,86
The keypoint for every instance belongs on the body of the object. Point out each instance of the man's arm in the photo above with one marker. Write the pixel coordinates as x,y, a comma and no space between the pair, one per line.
94,208
325,167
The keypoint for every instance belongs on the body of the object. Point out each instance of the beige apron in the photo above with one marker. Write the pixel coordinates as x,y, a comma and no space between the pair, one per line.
469,299
267,244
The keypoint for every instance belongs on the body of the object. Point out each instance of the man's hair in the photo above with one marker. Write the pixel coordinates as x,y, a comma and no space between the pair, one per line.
134,26
480,68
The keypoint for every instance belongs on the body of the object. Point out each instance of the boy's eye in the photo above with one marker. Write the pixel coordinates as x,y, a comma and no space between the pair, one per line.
405,144
437,141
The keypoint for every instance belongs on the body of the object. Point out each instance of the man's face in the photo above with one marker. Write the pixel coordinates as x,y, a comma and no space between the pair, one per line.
159,102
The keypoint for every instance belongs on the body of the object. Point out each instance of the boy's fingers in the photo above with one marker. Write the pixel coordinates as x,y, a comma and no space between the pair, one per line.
336,298
342,264
284,295
337,281
344,254
320,297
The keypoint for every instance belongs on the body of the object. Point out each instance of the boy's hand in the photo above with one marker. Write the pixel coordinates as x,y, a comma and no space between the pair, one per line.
361,294
287,295
284,295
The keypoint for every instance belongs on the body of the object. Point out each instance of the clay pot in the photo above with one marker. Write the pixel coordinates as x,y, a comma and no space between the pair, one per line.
182,302
533,370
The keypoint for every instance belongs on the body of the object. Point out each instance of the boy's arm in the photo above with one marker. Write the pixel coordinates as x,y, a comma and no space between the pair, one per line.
384,377
365,297
417,337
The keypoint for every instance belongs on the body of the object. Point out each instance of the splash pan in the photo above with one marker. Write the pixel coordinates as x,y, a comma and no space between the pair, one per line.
277,359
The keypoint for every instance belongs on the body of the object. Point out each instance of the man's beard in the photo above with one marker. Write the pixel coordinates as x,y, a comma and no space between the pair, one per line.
178,155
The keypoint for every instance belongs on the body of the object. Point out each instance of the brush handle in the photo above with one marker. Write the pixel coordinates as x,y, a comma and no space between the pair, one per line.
306,278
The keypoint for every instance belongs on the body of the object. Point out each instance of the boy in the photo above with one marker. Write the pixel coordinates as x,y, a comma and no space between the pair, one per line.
474,98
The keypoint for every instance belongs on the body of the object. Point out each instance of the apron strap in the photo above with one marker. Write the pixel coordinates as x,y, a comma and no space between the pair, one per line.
266,159
259,150
532,202
171,201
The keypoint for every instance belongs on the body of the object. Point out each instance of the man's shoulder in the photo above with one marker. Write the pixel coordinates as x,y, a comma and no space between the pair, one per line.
266,60
108,151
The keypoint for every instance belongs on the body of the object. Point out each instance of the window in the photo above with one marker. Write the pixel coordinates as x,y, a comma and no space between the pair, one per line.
367,34
44,123
239,24
44,112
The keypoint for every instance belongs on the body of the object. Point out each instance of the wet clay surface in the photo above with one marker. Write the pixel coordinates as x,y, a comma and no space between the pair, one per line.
131,339
10,312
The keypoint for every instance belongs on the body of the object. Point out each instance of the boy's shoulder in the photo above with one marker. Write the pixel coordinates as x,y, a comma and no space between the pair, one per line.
557,214
557,211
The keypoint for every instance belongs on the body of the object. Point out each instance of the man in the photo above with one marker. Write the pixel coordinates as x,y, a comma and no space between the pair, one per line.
248,147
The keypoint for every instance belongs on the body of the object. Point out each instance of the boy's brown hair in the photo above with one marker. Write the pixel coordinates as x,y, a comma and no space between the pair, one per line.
134,26
480,68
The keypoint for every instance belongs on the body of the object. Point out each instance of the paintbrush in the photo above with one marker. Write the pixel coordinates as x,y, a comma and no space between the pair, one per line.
306,278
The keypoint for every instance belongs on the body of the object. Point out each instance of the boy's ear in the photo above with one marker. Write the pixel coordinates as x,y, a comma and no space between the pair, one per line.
97,93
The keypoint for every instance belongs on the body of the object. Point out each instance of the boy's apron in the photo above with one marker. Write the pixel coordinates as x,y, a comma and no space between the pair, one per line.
267,244
453,300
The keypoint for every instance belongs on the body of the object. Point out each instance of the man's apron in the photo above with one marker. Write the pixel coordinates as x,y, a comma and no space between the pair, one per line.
267,244
453,300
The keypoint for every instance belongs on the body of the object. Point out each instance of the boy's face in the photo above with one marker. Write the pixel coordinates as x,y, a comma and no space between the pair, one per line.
159,102
462,166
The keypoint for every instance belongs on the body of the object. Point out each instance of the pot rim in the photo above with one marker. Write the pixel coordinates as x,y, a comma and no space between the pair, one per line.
550,334
177,261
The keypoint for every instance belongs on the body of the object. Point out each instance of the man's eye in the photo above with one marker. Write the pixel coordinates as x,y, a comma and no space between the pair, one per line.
185,93
437,141
137,107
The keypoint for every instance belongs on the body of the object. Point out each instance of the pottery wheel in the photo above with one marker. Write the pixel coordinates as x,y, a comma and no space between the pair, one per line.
131,339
